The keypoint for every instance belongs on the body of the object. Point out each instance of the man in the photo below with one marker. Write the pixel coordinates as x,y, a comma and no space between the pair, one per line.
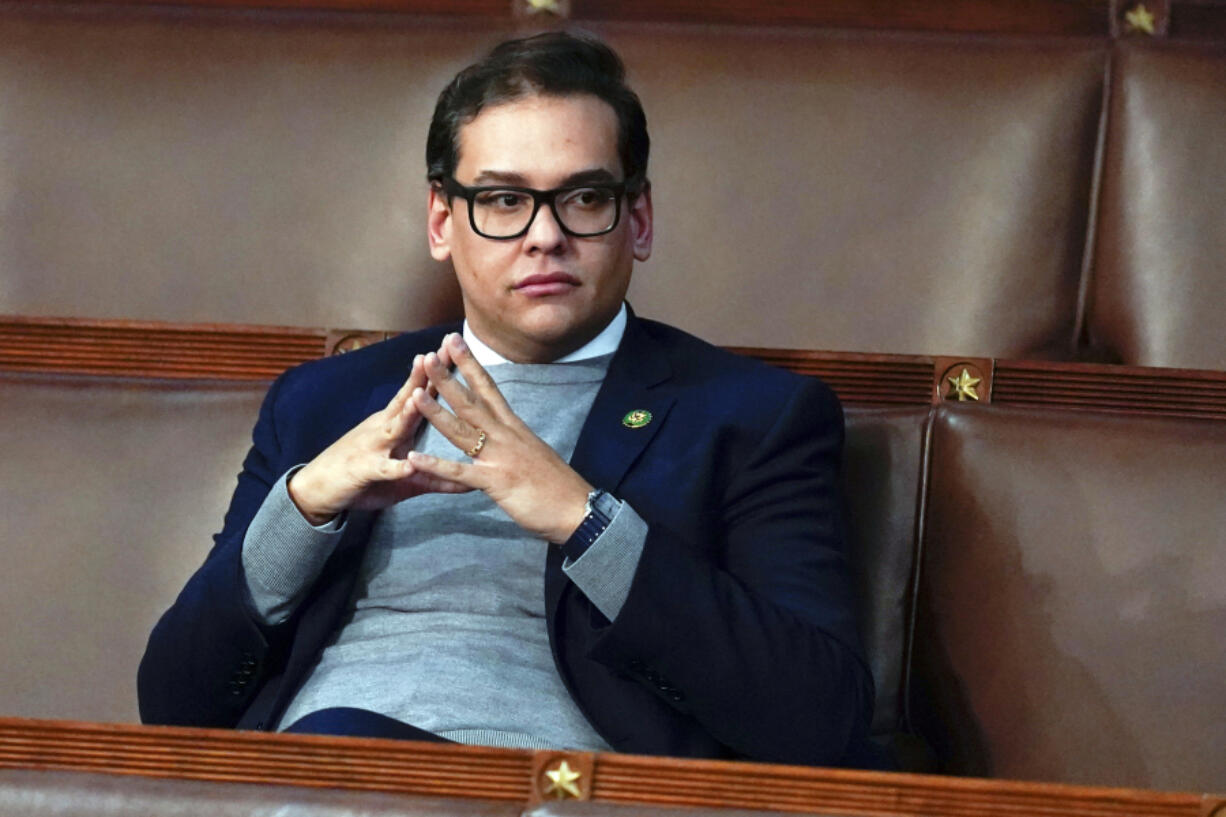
568,526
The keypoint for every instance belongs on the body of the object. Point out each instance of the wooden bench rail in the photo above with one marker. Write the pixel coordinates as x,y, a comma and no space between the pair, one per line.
1180,19
1067,17
148,349
522,776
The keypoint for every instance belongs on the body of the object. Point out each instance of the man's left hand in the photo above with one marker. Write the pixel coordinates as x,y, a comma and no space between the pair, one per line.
514,467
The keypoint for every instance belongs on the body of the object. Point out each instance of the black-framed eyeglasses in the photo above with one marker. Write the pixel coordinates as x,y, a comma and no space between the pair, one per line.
506,211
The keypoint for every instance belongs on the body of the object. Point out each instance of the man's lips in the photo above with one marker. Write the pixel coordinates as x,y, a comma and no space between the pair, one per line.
545,284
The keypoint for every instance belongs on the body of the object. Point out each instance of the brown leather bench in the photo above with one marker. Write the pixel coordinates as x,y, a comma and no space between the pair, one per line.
1069,592
110,489
912,193
1072,604
114,487
1159,282
814,189
882,479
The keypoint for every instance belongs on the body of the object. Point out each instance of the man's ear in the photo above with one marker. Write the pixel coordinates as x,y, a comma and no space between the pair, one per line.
641,230
438,223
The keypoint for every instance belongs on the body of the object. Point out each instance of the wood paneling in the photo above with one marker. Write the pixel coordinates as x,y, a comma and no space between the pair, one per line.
1188,19
506,774
434,8
864,379
1061,17
152,349
1085,17
79,346
1097,387
253,757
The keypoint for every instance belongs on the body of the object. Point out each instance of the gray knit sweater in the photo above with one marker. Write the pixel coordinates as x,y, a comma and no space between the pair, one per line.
447,625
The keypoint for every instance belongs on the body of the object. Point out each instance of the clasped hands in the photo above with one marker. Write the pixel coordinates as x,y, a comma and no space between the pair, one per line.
374,465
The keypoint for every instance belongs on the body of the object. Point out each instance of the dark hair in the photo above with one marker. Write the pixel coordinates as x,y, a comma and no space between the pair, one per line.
553,64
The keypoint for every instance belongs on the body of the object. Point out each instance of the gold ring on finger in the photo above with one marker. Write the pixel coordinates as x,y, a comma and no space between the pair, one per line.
476,449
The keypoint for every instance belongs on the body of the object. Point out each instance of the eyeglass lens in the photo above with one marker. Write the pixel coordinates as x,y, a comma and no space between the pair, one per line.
582,211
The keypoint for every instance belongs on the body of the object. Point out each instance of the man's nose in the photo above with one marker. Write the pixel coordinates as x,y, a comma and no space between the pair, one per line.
545,233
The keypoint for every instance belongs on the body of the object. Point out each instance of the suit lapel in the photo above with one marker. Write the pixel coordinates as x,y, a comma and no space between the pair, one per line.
607,447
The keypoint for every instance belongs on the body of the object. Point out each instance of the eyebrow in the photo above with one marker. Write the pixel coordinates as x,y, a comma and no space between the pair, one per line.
593,176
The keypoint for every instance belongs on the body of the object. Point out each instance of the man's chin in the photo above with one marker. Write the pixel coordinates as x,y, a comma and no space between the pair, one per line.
559,337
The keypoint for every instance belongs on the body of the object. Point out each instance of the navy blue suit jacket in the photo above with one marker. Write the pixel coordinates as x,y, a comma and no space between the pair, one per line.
737,638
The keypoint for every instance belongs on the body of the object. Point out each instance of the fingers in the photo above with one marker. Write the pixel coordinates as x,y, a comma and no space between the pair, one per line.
447,472
479,380
426,482
416,379
459,396
460,433
476,398
399,420
400,416
419,482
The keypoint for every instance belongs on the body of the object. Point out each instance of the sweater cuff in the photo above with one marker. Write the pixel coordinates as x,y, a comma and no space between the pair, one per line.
283,553
605,571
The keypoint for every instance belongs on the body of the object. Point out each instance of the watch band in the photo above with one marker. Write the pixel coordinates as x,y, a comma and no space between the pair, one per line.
601,507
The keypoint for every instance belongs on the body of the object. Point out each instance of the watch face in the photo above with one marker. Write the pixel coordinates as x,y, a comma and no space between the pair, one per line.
604,504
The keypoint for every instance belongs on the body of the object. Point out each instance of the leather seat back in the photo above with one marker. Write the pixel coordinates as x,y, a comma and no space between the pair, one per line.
1071,608
109,492
1160,273
813,190
882,465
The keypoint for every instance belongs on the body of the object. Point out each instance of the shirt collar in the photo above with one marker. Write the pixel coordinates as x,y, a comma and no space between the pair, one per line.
605,343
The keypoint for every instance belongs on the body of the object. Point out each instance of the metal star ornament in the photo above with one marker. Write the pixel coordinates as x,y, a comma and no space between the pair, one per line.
562,782
963,386
544,7
1140,19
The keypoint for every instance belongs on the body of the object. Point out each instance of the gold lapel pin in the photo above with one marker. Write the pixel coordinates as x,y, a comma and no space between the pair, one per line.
637,418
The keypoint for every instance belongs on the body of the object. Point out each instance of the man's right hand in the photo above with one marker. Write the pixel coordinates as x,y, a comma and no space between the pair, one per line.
367,468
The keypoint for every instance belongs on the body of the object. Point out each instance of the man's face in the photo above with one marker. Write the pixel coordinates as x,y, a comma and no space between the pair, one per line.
540,296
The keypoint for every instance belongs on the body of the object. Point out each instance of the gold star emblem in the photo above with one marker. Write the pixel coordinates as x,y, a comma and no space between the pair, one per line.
562,782
1140,19
350,344
963,386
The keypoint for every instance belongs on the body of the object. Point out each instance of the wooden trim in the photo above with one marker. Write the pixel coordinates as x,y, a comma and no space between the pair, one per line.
479,773
490,9
147,349
1101,387
862,379
84,346
704,783
1058,17
1029,17
254,757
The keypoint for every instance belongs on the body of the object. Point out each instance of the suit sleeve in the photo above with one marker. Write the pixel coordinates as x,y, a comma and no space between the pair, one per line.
208,652
754,635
